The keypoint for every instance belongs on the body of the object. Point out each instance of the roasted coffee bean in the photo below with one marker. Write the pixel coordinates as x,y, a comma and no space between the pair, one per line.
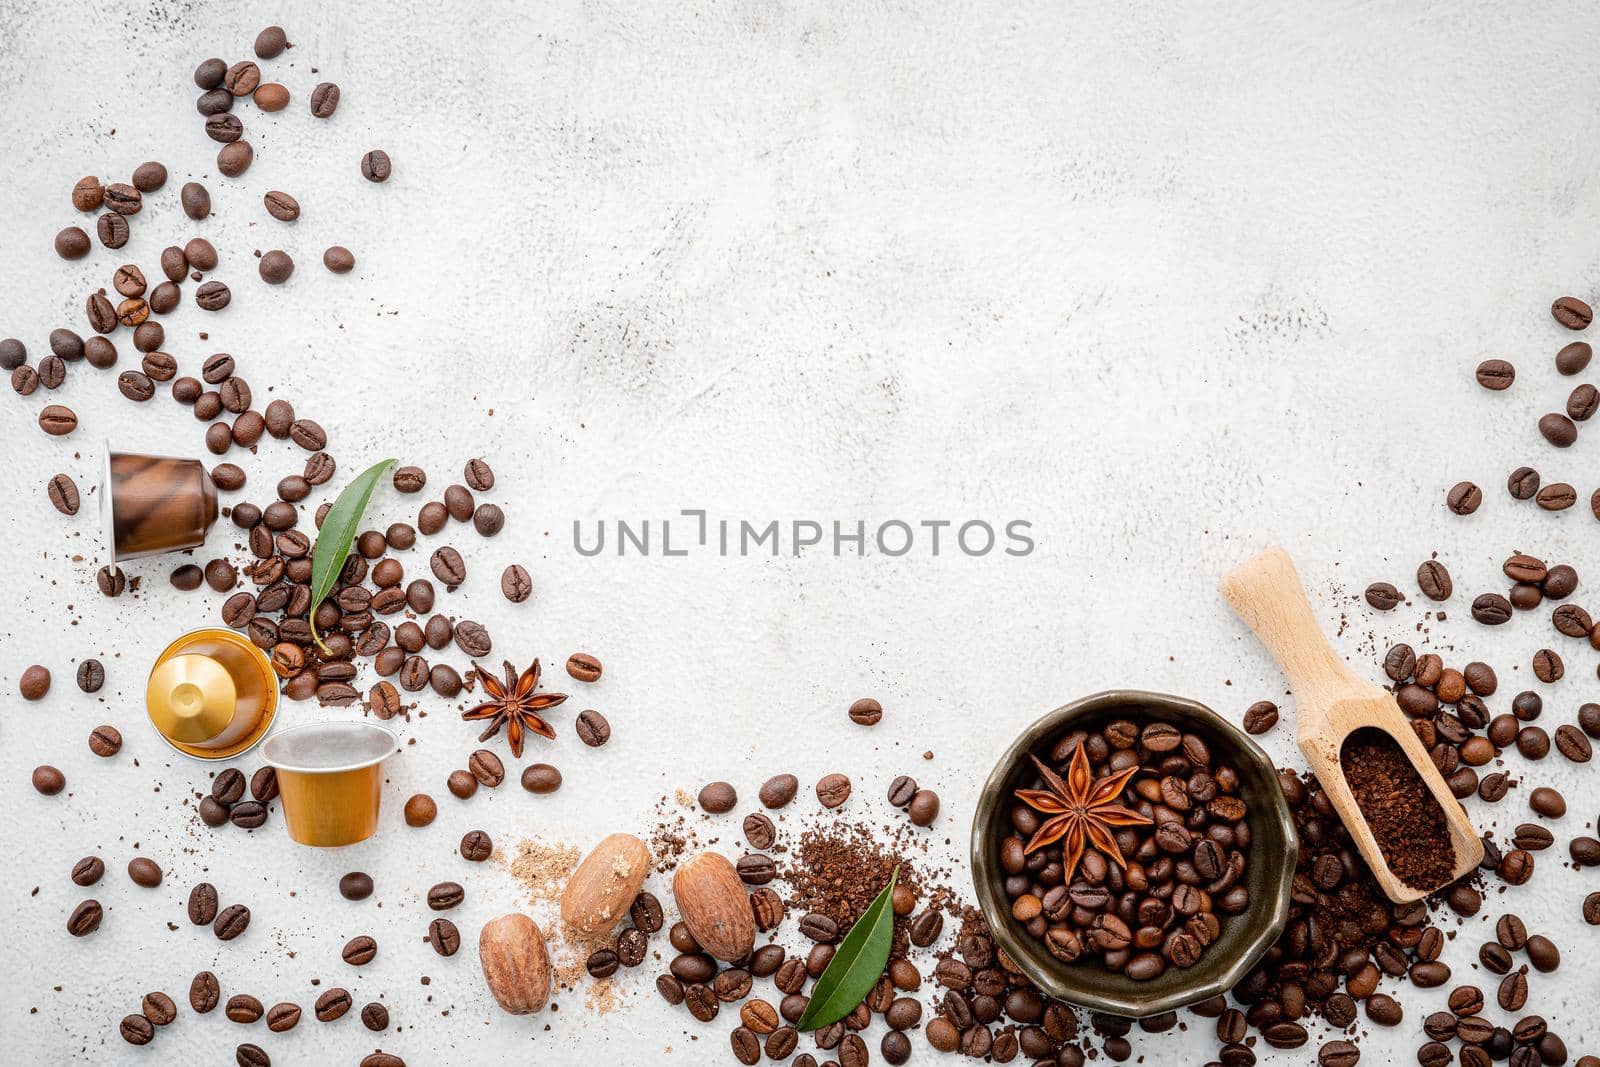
57,420
213,296
85,918
231,922
1494,958
924,808
445,896
472,639
443,936
72,243
112,229
541,778
1513,991
1547,802
359,951
602,963
486,768
1557,496
122,198
88,871
248,814
1383,596
488,520
1573,358
324,100
275,267
1464,498
88,194
1466,1000
583,667
1542,953
926,928
355,886
515,584
1583,402
1434,580
52,372
1260,717
242,78
1547,666
833,790
1572,744
1496,374
283,1017
137,1030
1532,837
1491,609
1427,974
448,566
224,127
212,813
717,797
375,166
1572,620
264,785
409,479
1558,430
158,1008
332,1004
757,869
101,315
592,728
1572,313
777,791
461,784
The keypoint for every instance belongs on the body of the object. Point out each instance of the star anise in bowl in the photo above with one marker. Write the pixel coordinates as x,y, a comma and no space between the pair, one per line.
515,705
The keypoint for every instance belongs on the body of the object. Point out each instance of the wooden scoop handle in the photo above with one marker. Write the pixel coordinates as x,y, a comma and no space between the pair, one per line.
1267,594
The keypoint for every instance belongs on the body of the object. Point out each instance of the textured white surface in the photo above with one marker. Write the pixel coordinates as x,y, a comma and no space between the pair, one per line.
1170,286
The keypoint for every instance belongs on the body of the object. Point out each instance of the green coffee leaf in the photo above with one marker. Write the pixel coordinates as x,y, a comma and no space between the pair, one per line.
856,966
339,528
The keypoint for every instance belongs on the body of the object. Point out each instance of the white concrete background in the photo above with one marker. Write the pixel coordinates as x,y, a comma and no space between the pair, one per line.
1172,286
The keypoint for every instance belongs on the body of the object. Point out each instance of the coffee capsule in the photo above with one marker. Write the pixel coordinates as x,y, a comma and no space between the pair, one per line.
212,694
330,779
154,504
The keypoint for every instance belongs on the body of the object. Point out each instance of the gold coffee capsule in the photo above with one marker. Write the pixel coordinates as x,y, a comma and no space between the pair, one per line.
212,694
330,779
154,504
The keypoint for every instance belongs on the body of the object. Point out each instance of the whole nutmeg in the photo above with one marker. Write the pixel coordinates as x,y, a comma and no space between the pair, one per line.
714,905
599,892
516,964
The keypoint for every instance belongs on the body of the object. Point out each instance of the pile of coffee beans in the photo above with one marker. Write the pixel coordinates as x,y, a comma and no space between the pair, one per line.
1342,938
226,803
1181,874
631,945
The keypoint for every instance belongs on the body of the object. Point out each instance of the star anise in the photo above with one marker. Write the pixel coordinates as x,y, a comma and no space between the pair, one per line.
1082,810
514,705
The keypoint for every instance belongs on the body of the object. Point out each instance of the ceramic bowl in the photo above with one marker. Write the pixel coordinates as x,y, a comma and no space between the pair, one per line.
1273,851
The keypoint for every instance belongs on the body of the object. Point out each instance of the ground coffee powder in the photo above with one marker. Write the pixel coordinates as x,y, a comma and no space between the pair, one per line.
1405,818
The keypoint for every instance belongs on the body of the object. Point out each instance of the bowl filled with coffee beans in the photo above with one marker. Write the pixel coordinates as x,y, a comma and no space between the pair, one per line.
1133,853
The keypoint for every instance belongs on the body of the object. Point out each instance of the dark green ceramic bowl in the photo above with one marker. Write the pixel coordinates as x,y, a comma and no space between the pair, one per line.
1273,851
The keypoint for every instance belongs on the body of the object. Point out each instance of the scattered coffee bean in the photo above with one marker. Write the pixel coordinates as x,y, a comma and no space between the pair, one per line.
1496,374
375,166
1572,313
541,778
833,790
1464,498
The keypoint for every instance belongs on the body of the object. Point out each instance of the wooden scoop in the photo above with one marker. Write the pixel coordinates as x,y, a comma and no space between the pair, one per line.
1332,702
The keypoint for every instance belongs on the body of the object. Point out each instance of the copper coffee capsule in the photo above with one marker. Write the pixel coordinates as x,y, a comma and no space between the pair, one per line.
154,504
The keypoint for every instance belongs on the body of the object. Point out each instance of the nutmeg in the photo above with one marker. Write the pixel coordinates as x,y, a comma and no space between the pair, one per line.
715,906
602,888
516,964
